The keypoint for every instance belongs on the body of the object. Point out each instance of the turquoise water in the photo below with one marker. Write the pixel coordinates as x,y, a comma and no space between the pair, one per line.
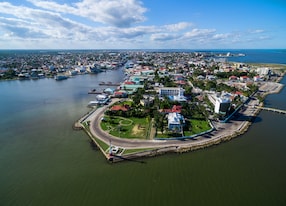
44,162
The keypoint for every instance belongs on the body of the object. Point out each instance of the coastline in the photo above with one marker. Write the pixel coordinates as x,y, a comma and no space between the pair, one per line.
148,148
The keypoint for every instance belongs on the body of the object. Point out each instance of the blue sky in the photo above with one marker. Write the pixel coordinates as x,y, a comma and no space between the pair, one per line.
145,24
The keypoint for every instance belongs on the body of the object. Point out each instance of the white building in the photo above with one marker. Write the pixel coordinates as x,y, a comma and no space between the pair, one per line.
175,121
171,91
174,93
263,71
222,105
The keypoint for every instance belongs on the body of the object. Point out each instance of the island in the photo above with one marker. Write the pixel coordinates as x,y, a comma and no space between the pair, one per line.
178,102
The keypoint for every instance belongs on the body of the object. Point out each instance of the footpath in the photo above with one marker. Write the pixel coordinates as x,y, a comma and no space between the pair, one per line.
222,132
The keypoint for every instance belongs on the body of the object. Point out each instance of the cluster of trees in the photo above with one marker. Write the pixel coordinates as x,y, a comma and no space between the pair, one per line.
226,75
9,74
213,85
152,111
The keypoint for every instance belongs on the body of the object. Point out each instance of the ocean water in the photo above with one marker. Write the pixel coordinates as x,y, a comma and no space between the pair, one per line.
44,162
277,56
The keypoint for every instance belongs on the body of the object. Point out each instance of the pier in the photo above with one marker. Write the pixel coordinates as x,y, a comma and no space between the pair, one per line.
109,84
272,109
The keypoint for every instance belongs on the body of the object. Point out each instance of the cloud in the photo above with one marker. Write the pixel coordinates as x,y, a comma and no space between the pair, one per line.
199,35
264,37
119,13
14,28
194,33
163,36
178,27
220,37
105,23
257,31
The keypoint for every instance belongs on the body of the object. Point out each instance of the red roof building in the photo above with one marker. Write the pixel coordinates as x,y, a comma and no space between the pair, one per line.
177,108
233,78
123,108
129,82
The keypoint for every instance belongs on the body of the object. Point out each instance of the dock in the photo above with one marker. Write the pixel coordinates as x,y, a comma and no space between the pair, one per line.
93,91
272,109
108,84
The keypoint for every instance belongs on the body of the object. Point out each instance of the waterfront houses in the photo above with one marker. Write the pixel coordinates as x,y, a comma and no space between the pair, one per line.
178,76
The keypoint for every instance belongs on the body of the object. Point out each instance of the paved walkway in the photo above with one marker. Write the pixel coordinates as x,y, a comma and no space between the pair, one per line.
223,130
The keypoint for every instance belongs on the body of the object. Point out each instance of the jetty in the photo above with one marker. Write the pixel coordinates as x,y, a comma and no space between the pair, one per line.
93,91
272,109
109,84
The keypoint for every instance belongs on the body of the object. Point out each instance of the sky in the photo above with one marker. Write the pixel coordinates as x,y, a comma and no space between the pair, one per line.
143,24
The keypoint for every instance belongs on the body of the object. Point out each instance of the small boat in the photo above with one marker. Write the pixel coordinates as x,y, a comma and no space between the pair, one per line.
109,84
60,77
93,91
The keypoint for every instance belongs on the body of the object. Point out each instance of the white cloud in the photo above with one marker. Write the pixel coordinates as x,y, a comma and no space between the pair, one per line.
194,33
105,24
120,13
221,36
163,36
264,37
178,27
257,31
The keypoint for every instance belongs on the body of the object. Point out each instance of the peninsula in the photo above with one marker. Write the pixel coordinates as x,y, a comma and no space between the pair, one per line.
178,102
169,101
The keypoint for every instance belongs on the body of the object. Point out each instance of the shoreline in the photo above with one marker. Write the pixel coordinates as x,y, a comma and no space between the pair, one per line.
223,132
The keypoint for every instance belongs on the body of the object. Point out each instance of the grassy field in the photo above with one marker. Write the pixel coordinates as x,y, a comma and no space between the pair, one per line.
131,128
198,126
273,66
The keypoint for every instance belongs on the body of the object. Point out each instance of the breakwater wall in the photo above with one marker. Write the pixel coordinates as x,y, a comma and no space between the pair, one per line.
223,133
189,145
78,124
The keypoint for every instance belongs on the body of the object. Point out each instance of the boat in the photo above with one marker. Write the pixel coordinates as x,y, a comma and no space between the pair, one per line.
60,77
109,84
93,91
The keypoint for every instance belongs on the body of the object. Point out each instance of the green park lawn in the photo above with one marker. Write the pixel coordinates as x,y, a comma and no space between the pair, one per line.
131,128
197,126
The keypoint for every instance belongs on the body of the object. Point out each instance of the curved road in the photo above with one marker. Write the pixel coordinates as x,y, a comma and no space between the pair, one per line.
222,130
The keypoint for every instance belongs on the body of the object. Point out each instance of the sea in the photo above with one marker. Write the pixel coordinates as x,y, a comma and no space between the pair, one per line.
43,161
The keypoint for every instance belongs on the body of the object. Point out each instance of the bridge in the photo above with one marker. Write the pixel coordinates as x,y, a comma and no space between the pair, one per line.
272,109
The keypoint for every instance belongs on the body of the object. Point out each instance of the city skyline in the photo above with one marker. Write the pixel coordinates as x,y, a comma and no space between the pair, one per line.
146,24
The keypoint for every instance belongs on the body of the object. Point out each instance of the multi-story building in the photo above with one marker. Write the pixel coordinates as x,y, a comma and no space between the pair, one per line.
171,91
222,105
